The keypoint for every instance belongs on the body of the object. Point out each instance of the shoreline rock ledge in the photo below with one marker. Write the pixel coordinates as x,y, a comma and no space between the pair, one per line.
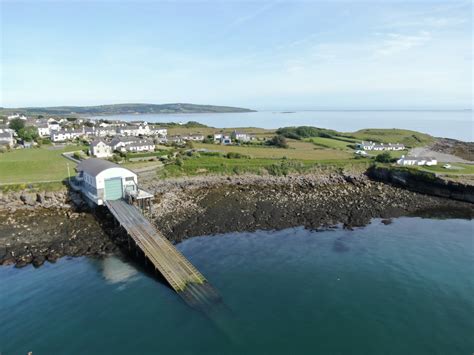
40,227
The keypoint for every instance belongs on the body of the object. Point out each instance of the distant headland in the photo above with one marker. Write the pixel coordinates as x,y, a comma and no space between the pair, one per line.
121,109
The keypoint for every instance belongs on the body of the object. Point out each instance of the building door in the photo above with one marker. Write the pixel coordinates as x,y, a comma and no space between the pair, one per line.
113,189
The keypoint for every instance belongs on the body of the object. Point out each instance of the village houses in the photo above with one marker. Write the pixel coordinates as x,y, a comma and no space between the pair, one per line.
379,146
407,160
98,148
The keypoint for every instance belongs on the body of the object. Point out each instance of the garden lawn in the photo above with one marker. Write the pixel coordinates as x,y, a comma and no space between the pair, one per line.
457,169
43,164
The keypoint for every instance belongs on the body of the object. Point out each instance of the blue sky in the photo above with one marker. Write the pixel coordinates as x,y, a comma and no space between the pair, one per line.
263,55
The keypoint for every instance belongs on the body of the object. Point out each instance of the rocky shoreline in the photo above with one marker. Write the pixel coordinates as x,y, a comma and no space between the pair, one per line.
35,230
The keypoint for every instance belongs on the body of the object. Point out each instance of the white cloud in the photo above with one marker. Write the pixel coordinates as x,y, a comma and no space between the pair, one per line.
395,43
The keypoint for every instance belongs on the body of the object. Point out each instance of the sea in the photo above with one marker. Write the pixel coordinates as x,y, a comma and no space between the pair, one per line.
403,288
456,124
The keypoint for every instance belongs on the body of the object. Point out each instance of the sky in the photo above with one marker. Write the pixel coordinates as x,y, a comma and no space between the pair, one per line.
285,55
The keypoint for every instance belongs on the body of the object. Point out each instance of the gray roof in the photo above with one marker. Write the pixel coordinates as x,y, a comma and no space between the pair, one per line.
97,141
94,166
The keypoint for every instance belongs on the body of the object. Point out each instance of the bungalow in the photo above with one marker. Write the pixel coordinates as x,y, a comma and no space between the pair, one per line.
100,149
217,137
226,140
142,146
120,143
241,137
175,139
380,146
194,137
100,180
407,160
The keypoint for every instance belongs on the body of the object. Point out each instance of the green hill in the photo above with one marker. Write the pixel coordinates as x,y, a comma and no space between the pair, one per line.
119,109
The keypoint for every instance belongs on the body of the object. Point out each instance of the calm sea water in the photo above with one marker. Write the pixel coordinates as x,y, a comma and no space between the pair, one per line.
405,288
451,124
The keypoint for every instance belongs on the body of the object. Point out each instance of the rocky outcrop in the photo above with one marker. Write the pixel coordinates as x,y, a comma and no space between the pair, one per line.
186,208
34,236
423,182
29,199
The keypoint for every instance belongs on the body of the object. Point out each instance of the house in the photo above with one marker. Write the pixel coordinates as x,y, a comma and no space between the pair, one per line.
241,137
100,180
53,125
43,129
17,115
162,132
217,137
380,146
119,143
407,160
64,135
226,140
175,139
134,131
105,132
194,137
6,138
141,146
98,148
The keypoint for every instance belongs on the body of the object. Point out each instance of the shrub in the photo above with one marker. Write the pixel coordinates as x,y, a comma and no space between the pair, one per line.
235,155
384,157
278,141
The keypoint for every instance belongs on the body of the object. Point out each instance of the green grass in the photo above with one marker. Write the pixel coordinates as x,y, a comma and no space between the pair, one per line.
329,143
206,165
457,169
35,165
406,137
298,150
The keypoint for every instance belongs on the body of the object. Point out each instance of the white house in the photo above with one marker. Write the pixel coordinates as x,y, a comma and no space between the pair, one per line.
416,161
134,131
194,137
43,129
119,143
240,136
64,135
142,146
101,180
105,132
100,149
53,125
217,137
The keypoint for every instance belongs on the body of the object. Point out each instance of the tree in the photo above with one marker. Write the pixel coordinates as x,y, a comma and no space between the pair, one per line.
28,133
384,157
278,141
16,124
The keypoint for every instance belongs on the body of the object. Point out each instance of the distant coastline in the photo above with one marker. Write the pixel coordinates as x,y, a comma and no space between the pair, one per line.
124,109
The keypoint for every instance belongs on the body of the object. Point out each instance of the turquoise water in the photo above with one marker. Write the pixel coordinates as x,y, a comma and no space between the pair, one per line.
405,288
450,124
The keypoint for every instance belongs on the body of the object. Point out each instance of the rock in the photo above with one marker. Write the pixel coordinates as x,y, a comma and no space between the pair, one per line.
38,260
28,198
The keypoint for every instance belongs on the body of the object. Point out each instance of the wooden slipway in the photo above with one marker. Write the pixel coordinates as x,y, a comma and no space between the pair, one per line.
182,276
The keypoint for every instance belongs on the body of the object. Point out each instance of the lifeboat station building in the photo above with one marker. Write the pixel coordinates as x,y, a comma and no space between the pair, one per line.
101,180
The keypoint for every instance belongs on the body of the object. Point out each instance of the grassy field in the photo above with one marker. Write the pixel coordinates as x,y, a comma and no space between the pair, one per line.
203,165
406,137
298,150
43,164
330,143
457,169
